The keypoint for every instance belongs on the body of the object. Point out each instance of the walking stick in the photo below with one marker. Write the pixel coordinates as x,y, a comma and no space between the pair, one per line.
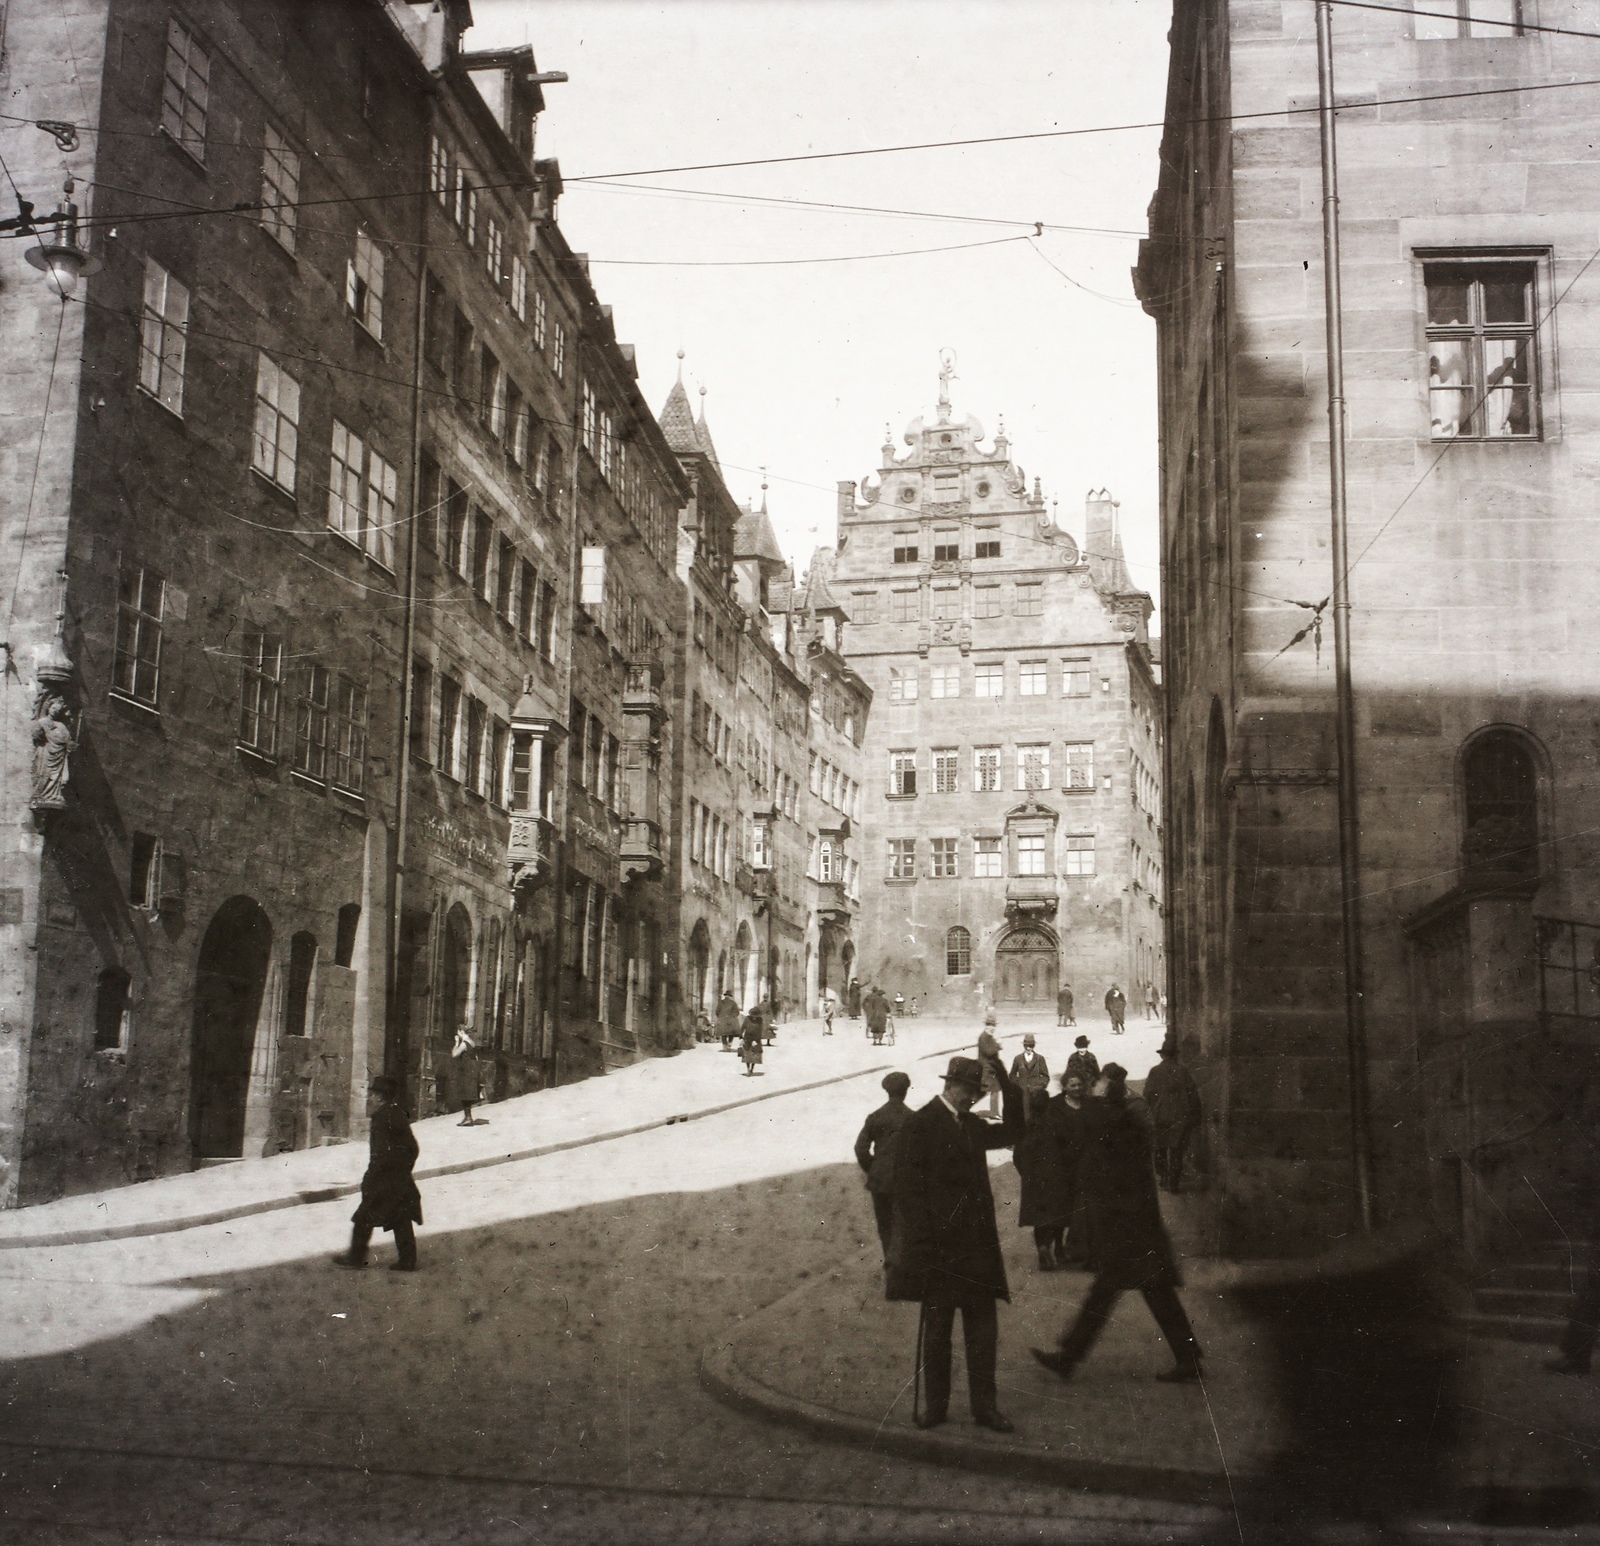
916,1377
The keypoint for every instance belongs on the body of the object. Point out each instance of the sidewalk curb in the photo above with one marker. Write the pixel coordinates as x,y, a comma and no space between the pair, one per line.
310,1195
721,1375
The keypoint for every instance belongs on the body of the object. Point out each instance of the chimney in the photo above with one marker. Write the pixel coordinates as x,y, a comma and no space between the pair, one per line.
847,499
1100,533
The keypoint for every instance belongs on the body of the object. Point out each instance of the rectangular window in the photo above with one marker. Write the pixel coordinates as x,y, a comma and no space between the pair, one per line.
945,771
519,288
447,755
276,436
903,606
905,547
439,170
186,90
382,494
946,547
463,360
946,602
946,486
1482,376
902,684
864,608
505,580
1030,853
494,246
592,575
1075,679
528,601
986,864
350,736
989,679
541,319
482,552
499,733
421,709
363,283
547,620
558,349
492,395
141,597
1032,679
1033,767
455,527
476,728
344,483
987,544
944,681
614,782
986,601
261,680
280,188
1080,765
163,336
1079,858
516,424
942,860
985,769
1030,600
903,773
1467,19
311,723
902,858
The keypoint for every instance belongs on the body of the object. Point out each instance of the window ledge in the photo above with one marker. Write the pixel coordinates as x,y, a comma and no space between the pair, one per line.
899,797
373,338
256,755
899,880
149,396
276,487
117,696
352,797
309,780
196,160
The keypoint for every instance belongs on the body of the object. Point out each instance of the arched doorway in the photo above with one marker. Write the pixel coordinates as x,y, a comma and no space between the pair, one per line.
230,975
1026,967
699,967
744,986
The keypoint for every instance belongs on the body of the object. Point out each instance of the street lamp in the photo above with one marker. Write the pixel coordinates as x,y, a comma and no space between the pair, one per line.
63,261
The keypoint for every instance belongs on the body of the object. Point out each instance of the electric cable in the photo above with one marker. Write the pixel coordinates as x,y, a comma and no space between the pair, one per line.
853,257
1514,28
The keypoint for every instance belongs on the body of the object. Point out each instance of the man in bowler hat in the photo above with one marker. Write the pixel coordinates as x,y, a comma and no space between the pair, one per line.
875,1148
389,1197
945,1248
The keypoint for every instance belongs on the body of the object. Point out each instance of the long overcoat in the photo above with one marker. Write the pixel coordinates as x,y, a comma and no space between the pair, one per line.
388,1194
877,1008
1047,1160
1174,1101
1031,1076
945,1247
875,1146
1127,1243
728,1017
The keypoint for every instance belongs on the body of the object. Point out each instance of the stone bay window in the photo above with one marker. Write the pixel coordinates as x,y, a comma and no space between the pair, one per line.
643,704
534,737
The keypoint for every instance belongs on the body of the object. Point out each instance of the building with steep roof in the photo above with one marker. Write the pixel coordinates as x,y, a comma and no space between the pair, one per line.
1010,816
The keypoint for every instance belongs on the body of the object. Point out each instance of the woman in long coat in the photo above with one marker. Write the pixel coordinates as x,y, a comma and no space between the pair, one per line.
1128,1244
727,1020
1041,1161
750,1051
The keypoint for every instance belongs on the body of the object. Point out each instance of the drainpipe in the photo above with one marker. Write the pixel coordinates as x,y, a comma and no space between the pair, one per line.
1344,714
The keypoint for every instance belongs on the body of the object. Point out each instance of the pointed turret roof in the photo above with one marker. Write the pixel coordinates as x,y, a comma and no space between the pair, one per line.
677,420
703,433
754,537
1118,581
819,593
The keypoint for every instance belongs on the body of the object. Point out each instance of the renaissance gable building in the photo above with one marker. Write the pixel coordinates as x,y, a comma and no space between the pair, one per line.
1012,805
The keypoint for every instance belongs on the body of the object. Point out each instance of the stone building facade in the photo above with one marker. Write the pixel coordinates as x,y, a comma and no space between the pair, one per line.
1468,223
1012,787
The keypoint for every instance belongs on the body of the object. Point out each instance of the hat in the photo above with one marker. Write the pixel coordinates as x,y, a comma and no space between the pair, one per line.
1115,1072
1030,1040
897,1083
990,1017
967,1071
386,1086
1082,1041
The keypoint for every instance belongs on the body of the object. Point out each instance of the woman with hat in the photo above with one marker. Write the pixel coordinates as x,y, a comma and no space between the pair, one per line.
1083,1064
750,1048
875,1148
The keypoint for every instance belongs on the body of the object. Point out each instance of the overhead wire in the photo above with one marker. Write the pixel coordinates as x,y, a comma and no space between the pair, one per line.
1514,27
851,257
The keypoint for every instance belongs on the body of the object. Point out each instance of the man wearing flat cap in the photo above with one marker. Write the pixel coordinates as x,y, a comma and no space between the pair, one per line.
944,1249
875,1149
1030,1070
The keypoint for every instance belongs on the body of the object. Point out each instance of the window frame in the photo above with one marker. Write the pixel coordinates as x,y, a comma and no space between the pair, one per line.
164,337
142,651
989,671
900,859
260,690
312,721
985,850
280,187
1078,843
942,861
179,129
363,282
985,772
1036,672
273,448
903,775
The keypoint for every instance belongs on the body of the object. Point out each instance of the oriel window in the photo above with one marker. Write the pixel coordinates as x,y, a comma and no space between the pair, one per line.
1482,354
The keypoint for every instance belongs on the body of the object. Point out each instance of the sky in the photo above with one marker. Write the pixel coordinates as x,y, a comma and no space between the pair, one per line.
804,363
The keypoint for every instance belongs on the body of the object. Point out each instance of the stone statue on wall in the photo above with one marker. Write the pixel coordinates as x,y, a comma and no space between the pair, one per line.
54,741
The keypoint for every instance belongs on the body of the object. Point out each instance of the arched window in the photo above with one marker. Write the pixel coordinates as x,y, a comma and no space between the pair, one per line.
111,1010
1502,804
958,952
302,960
825,861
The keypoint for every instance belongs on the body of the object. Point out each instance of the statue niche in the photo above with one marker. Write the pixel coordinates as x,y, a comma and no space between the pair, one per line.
54,741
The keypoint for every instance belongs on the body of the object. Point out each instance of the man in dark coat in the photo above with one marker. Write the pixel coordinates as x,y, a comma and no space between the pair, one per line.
1116,1007
1083,1064
1064,1015
945,1248
389,1197
728,1018
1128,1244
1029,1069
876,1004
875,1152
1174,1101
854,998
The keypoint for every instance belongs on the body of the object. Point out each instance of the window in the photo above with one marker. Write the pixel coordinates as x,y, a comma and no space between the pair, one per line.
903,773
448,744
987,544
519,288
989,679
344,483
363,283
945,774
946,602
986,601
439,170
986,863
505,580
942,865
1080,765
1481,358
492,395
905,547
558,349
592,577
463,359
1032,679
350,736
944,682
280,188
1079,856
163,337
985,769
186,90
476,728
516,425
1468,19
958,952
613,779
1501,800
902,684
541,319
760,846
864,608
902,858
455,527
141,595
261,679
1033,767
825,866
311,723
482,551
302,963
547,620
493,249
382,492
1030,599
1030,853
277,424
111,1011
946,547
421,706
946,486
1075,679
903,606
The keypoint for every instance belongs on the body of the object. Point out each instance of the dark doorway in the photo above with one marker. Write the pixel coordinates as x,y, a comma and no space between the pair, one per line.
229,980
1026,968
